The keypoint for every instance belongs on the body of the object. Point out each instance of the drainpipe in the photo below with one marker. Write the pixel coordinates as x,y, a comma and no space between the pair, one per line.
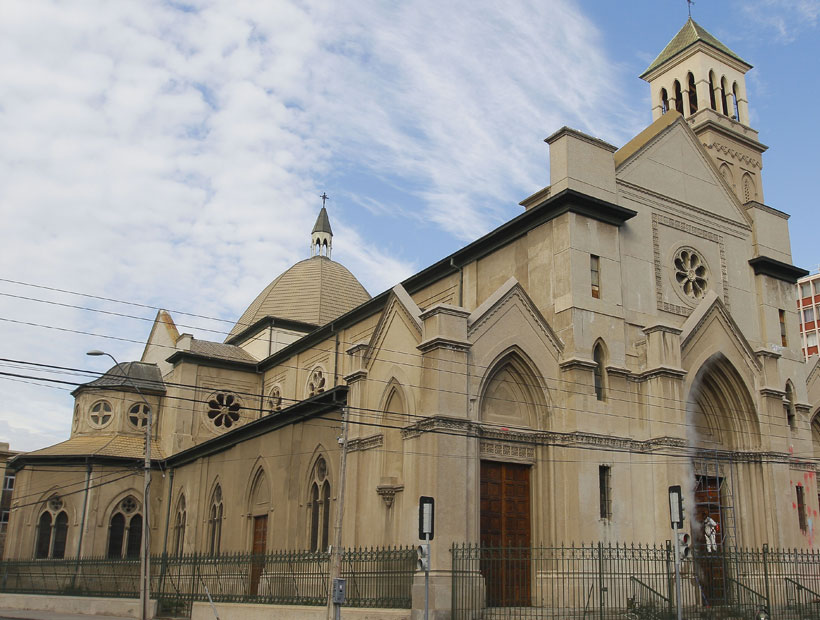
460,282
335,355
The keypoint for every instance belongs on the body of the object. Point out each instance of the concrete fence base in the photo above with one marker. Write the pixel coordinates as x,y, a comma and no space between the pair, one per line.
247,611
119,607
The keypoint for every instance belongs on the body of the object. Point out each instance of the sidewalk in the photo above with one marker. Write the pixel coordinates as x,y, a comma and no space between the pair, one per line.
22,614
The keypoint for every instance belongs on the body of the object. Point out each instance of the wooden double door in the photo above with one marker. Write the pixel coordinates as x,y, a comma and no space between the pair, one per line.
505,533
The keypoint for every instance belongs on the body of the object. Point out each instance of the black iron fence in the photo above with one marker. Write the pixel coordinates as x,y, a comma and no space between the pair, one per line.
604,581
376,577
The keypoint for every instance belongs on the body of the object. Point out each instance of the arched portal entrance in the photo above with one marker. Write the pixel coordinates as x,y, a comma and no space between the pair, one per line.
722,422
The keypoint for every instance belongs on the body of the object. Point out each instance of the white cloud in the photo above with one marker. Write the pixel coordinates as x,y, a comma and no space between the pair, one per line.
787,19
173,155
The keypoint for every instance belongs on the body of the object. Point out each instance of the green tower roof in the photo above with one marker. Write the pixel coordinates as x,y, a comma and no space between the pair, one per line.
691,33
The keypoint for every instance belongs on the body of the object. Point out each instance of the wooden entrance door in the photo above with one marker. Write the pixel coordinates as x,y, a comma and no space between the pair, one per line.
710,569
505,533
260,535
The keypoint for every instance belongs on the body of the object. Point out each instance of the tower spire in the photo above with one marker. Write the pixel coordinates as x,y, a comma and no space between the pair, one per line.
321,237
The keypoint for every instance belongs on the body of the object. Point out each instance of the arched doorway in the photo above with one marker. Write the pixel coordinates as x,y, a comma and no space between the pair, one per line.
722,421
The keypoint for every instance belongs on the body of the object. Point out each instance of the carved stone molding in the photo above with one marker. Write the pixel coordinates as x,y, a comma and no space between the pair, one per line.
435,424
504,451
365,443
388,492
735,154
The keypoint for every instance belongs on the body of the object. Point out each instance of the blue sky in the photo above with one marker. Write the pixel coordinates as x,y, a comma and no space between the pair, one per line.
172,154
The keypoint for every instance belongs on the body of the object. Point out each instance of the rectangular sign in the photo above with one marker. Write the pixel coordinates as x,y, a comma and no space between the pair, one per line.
426,517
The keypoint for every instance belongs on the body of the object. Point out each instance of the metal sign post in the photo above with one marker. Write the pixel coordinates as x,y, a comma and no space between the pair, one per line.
426,522
676,517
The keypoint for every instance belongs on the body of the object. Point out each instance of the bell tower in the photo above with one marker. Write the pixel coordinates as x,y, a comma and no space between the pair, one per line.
699,77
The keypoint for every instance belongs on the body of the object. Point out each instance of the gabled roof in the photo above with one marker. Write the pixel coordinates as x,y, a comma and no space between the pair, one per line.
146,377
691,33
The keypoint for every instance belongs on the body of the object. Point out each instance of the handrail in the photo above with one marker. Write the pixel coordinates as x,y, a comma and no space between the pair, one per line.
743,586
800,586
634,579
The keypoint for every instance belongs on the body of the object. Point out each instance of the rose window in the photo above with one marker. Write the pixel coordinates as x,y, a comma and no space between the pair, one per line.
275,399
223,409
690,273
55,503
321,469
100,413
128,505
317,383
138,415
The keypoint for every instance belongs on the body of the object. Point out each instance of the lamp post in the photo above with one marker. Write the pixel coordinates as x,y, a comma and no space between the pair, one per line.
145,549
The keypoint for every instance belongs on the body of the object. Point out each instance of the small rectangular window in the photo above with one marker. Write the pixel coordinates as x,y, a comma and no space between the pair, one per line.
4,516
783,340
811,339
8,484
801,508
805,289
595,275
808,315
604,484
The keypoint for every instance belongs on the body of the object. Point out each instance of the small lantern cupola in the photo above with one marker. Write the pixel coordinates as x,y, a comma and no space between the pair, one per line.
321,238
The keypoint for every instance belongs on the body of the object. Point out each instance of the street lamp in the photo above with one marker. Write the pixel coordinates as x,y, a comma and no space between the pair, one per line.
145,550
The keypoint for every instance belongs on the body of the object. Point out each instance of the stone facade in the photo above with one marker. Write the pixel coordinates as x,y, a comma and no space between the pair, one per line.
632,329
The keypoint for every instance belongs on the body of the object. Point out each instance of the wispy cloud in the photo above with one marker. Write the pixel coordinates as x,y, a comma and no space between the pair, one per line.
172,153
785,19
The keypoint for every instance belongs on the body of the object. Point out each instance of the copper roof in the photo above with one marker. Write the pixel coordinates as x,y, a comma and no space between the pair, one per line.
313,291
691,33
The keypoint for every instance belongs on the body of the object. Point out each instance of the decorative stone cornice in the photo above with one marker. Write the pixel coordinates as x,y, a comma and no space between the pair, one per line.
437,423
771,392
619,371
357,375
365,443
669,372
506,451
577,363
662,327
443,343
767,266
735,154
388,492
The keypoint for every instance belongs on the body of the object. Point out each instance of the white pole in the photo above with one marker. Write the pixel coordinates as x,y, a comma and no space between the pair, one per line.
336,551
145,549
678,602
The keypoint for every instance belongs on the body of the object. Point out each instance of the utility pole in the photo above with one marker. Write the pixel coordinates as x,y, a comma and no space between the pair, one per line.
145,550
334,609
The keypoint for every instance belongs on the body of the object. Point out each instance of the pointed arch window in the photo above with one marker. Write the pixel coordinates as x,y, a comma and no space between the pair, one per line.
749,191
319,506
52,530
734,102
125,529
179,527
788,406
693,94
664,101
712,102
599,373
678,97
723,89
215,522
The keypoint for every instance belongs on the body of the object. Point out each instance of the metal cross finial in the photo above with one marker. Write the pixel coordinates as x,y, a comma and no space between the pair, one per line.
324,198
689,4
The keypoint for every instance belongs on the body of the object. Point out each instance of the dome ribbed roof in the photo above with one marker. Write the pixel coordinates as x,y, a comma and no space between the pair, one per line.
315,291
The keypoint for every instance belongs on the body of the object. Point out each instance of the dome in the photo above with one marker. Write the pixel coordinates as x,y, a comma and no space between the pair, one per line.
315,291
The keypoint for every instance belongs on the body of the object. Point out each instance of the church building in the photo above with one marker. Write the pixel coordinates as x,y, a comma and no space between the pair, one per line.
634,327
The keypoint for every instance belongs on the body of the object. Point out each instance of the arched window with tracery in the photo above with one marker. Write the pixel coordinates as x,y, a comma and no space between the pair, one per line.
599,372
693,94
749,191
52,530
275,399
319,506
678,97
215,515
316,382
125,529
179,526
